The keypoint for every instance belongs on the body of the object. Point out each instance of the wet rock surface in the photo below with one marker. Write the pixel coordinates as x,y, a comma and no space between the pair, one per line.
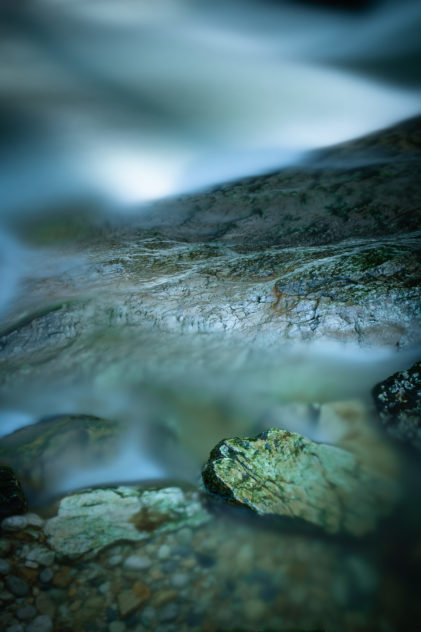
91,520
398,401
280,473
41,453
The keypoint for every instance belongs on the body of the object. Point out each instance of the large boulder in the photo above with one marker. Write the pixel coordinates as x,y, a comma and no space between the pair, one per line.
398,401
280,473
12,498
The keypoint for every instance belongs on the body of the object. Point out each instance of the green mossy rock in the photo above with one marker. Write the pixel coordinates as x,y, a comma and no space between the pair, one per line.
92,519
280,473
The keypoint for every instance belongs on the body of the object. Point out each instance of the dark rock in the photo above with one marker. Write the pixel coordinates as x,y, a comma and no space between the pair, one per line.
17,586
398,401
12,498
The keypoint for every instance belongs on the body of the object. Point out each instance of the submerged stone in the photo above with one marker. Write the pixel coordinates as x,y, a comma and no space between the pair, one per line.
398,401
280,473
41,453
92,519
12,498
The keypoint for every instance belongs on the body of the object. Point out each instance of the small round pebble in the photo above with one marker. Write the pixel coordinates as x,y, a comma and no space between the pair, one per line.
164,551
42,623
14,523
46,575
179,580
168,612
137,562
26,613
16,627
4,567
17,586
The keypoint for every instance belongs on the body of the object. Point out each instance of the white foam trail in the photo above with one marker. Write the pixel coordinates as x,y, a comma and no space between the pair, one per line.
129,465
178,96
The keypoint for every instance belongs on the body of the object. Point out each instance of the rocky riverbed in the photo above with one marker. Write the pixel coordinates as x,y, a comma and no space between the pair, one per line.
131,349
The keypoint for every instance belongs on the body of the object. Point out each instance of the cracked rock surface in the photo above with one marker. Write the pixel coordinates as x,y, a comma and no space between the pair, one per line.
280,473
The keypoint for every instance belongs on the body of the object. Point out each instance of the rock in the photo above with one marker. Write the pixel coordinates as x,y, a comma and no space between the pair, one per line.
46,575
137,562
398,401
90,520
179,580
41,555
42,623
17,586
43,452
12,498
16,627
15,523
280,473
45,604
34,520
128,602
4,567
168,612
26,613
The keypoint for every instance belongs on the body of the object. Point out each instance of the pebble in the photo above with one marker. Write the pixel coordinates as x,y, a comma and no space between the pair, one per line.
16,627
26,613
164,551
6,596
179,580
14,523
117,626
34,520
4,567
128,602
137,562
168,612
45,604
114,560
30,564
17,586
41,555
42,623
148,616
46,575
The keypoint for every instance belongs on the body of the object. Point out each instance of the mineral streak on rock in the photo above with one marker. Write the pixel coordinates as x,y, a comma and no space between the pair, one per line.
90,520
398,401
283,474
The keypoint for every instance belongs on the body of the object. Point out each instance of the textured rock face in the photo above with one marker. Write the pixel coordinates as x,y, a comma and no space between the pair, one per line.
398,401
90,520
281,473
12,498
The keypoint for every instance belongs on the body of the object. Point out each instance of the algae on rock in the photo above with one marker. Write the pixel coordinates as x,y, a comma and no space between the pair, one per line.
280,473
